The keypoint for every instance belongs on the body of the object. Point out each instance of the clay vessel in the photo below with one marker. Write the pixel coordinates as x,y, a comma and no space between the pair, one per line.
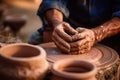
73,69
22,61
15,21
2,9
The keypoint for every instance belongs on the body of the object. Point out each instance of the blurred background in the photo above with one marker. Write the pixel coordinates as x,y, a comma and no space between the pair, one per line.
18,18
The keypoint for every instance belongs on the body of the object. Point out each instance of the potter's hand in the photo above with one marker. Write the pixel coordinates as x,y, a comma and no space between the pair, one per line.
83,41
62,36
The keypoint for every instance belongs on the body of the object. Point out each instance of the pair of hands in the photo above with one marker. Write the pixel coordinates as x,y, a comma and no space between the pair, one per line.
73,41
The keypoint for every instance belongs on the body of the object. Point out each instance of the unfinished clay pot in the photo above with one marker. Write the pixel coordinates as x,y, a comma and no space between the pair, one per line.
22,61
73,69
15,22
2,9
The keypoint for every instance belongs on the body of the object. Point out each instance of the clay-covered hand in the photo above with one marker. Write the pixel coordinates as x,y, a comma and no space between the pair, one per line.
62,36
82,41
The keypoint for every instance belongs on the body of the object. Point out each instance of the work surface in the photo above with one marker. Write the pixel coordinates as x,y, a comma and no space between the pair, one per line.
105,58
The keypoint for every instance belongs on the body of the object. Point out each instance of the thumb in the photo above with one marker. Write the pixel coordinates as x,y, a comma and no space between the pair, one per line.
69,29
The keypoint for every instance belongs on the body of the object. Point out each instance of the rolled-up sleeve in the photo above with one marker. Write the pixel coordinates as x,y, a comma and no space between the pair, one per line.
116,8
54,4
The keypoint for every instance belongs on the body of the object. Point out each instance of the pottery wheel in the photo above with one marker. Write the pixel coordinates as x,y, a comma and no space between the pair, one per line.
100,55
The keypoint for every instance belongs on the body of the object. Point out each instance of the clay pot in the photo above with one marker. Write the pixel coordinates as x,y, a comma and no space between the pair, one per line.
118,73
15,22
73,69
22,61
2,9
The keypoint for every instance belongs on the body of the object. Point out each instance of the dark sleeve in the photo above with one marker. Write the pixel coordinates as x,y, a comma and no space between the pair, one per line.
117,8
60,5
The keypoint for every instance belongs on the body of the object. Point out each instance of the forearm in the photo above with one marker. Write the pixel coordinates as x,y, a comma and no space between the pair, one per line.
53,17
108,29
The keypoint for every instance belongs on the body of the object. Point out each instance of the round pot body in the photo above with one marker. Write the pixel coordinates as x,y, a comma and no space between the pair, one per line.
2,9
15,22
73,69
22,61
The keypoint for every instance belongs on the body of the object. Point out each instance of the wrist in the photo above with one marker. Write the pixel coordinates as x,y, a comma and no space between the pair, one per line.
56,22
99,33
53,17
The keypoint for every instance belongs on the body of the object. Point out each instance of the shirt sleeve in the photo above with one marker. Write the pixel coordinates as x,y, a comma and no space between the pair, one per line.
116,8
60,5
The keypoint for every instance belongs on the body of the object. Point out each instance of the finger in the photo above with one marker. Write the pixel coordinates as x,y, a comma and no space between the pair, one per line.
60,40
69,29
63,35
62,48
78,36
83,51
80,29
78,43
88,45
79,48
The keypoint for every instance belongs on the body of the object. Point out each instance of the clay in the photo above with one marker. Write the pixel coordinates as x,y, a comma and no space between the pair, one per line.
2,9
73,42
101,55
22,61
2,44
62,36
15,21
82,42
110,28
73,69
62,48
7,37
105,58
61,41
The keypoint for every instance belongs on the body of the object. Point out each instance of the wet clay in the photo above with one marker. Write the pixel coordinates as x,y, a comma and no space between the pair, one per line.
73,69
22,61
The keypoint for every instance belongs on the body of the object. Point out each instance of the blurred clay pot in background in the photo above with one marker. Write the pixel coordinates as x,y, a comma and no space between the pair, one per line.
2,9
15,21
73,69
22,61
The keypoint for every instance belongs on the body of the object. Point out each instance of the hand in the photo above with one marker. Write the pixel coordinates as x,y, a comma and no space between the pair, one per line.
62,36
83,41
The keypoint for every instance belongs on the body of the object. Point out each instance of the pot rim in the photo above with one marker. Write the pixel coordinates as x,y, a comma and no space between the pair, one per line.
71,75
42,53
16,17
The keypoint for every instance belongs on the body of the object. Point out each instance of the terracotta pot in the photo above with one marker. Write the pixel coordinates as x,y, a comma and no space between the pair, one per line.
2,9
22,61
15,22
73,69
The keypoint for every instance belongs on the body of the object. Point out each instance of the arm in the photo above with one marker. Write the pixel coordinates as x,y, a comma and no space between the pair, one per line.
86,38
61,30
107,29
53,9
110,27
53,17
